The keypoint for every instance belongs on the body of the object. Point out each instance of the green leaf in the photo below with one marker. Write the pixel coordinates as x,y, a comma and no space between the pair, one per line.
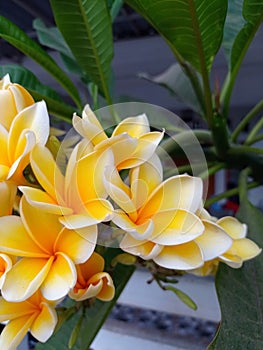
52,38
234,22
16,37
237,42
192,28
115,7
240,293
183,297
94,316
176,81
39,91
253,15
86,27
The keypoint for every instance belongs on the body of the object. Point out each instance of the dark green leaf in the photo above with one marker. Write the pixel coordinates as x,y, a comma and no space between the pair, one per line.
253,15
234,22
176,81
240,293
86,27
16,37
193,29
239,33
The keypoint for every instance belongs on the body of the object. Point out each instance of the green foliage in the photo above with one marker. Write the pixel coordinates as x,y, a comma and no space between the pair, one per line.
240,292
177,82
240,30
86,27
16,37
193,29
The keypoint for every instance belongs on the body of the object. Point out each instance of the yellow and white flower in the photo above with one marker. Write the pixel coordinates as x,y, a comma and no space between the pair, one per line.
13,99
131,142
35,314
92,281
47,253
159,217
79,196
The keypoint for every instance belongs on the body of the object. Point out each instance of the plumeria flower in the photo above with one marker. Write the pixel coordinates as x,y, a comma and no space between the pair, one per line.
240,249
13,99
29,127
35,314
131,142
47,253
159,217
79,196
243,248
92,281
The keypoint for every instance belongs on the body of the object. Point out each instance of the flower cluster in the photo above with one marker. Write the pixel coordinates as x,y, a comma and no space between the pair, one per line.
49,229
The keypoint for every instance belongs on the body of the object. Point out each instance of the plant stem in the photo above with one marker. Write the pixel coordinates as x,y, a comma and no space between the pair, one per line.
242,183
212,170
228,193
254,140
254,132
173,143
254,111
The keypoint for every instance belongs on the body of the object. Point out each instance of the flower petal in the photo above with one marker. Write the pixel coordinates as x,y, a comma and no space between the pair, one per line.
144,179
90,175
89,126
47,173
214,241
44,234
20,158
176,227
145,249
25,277
77,248
4,160
108,290
243,248
178,192
138,231
233,227
78,221
119,191
185,256
44,324
92,266
34,118
15,331
7,194
60,279
15,240
122,147
146,147
42,200
10,311
134,126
